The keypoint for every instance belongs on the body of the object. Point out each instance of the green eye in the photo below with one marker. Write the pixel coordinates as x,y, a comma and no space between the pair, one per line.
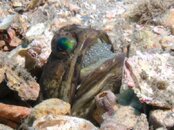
66,44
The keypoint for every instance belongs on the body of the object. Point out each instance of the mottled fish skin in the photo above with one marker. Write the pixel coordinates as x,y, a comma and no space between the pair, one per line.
61,74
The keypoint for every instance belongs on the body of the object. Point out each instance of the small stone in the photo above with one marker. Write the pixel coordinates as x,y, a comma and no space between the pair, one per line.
112,126
6,22
124,117
13,113
17,4
51,106
142,123
73,7
15,42
4,127
60,122
110,14
161,128
168,18
160,30
172,30
2,43
35,31
5,48
172,48
109,27
167,42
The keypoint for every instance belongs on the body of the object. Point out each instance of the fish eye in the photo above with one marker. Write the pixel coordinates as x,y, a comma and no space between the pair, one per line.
66,44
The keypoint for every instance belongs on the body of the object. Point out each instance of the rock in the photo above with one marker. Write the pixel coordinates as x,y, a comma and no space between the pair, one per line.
35,31
16,4
33,4
146,11
2,43
172,48
123,118
39,16
145,40
109,27
15,42
73,7
4,127
160,118
142,123
59,122
168,18
161,128
150,76
160,30
51,106
17,79
21,24
172,30
13,114
6,22
60,22
112,13
109,125
6,48
9,123
125,115
167,42
37,52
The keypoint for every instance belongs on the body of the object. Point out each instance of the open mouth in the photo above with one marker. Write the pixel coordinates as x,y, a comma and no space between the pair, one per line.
96,56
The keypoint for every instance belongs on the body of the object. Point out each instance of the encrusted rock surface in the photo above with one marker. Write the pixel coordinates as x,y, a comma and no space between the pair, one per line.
17,79
160,118
151,78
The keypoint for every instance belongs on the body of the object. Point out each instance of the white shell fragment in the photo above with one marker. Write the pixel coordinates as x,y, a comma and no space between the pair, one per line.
6,22
52,122
151,76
